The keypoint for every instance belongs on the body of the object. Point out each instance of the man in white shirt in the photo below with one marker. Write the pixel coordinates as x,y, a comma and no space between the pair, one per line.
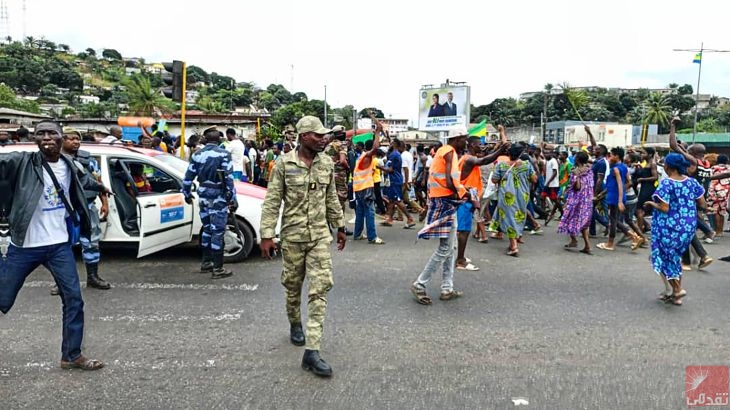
46,193
237,149
552,185
407,159
253,156
114,137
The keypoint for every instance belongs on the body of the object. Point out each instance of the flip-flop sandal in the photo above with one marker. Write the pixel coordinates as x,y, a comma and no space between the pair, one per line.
586,251
496,236
483,240
410,225
664,298
680,295
468,266
604,246
675,302
386,223
82,363
421,295
513,252
635,245
451,295
570,245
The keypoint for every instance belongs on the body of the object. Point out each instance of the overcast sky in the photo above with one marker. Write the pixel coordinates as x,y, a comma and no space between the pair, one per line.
379,53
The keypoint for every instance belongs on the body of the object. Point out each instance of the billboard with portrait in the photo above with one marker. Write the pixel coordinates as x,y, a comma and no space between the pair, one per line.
442,108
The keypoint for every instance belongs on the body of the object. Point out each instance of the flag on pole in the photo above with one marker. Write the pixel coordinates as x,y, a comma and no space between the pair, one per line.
479,130
698,58
362,138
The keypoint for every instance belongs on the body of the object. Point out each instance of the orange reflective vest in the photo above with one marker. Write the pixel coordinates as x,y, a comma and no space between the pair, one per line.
363,178
437,187
474,179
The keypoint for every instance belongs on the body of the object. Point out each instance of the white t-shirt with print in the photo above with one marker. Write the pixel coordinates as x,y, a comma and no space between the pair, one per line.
48,224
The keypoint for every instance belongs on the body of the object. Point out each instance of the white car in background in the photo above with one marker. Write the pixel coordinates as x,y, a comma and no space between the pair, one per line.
161,219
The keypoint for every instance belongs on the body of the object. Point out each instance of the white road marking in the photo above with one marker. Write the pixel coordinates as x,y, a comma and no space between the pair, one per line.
126,365
223,317
155,286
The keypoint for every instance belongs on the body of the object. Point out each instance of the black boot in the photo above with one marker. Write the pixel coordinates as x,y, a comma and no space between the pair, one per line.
296,334
92,277
218,271
313,363
206,266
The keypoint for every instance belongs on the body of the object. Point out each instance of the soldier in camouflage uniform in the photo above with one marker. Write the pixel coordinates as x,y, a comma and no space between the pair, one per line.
337,150
304,181
208,165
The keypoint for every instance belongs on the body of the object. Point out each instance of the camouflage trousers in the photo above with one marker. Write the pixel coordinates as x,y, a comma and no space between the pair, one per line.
314,260
213,215
341,187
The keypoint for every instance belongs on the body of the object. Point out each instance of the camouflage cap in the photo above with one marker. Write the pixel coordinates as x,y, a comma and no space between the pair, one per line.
311,124
71,130
338,128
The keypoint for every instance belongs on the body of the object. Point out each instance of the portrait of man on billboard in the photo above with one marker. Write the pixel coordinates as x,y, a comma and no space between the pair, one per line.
449,105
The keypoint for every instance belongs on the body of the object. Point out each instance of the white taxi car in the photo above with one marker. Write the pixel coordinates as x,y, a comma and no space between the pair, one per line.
161,219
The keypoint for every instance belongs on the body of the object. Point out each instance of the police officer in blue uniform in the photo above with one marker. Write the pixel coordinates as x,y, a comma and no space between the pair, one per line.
89,245
213,168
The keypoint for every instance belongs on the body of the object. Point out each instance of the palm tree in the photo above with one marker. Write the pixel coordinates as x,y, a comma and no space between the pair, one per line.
658,110
30,41
143,99
9,39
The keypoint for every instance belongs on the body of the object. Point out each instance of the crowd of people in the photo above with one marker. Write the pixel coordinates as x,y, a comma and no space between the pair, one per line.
459,189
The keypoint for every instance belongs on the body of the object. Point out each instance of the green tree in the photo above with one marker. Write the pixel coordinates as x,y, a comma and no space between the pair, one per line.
658,110
90,51
8,99
143,99
111,54
365,112
196,74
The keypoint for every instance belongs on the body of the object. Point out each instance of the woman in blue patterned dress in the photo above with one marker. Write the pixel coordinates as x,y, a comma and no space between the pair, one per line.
674,224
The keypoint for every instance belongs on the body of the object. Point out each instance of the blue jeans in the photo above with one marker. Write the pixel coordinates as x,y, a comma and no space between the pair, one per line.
365,213
443,257
59,259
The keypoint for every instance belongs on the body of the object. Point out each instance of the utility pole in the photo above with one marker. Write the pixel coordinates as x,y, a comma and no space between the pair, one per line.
698,60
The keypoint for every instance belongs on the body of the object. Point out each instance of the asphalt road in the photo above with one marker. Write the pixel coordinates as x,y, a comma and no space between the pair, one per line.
561,330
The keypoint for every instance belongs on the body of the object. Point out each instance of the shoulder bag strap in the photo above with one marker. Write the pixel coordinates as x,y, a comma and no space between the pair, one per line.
69,208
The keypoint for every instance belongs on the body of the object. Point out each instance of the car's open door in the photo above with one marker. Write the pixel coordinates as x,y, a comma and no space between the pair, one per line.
165,220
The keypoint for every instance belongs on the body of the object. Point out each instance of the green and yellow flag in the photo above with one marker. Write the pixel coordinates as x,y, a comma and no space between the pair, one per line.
479,130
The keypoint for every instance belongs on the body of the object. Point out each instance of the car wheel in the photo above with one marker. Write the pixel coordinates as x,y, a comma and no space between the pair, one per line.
237,247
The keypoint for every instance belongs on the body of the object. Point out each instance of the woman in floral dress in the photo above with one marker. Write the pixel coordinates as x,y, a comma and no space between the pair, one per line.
674,224
514,178
579,204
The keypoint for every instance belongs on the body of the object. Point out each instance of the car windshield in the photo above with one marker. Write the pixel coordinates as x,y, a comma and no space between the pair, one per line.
174,162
